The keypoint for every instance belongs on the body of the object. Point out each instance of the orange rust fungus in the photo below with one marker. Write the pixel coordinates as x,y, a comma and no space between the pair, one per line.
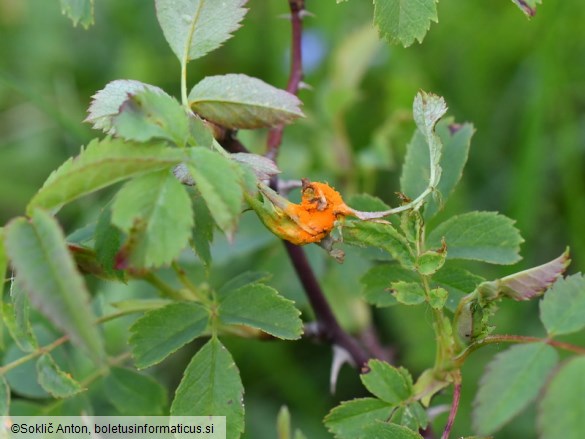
320,207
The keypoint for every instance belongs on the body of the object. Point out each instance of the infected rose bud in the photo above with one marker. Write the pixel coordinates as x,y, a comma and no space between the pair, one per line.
310,221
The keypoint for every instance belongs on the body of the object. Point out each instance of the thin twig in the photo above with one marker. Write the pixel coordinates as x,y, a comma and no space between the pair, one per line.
296,71
454,405
327,321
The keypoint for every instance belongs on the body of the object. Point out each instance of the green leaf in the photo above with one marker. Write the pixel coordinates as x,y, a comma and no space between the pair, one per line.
101,164
403,21
383,430
108,240
106,103
512,380
561,411
134,394
155,210
219,182
562,310
527,6
162,331
203,229
4,397
195,27
431,261
457,281
412,416
19,328
527,284
367,202
384,236
377,283
260,306
438,297
390,384
416,172
56,382
241,102
262,167
211,386
148,115
408,293
350,418
79,11
482,236
39,254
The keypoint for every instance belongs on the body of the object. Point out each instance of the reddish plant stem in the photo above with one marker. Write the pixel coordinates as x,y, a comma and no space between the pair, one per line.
296,71
454,405
328,325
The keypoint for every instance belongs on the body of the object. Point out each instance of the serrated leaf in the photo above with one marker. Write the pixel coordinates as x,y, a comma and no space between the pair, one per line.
106,103
383,430
561,412
377,283
195,27
203,229
562,310
162,331
527,6
218,180
482,236
108,240
20,331
156,211
79,11
134,394
56,382
456,140
384,236
241,102
101,164
147,115
527,284
408,293
350,418
403,21
39,254
390,384
260,306
211,386
512,380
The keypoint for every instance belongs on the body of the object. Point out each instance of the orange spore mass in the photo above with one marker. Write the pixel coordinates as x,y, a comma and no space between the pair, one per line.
320,207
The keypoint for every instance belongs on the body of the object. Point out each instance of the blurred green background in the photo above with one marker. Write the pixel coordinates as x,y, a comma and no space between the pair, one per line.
522,84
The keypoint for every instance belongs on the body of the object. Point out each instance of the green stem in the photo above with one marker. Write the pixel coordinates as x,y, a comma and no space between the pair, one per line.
191,289
185,58
494,339
165,289
31,356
